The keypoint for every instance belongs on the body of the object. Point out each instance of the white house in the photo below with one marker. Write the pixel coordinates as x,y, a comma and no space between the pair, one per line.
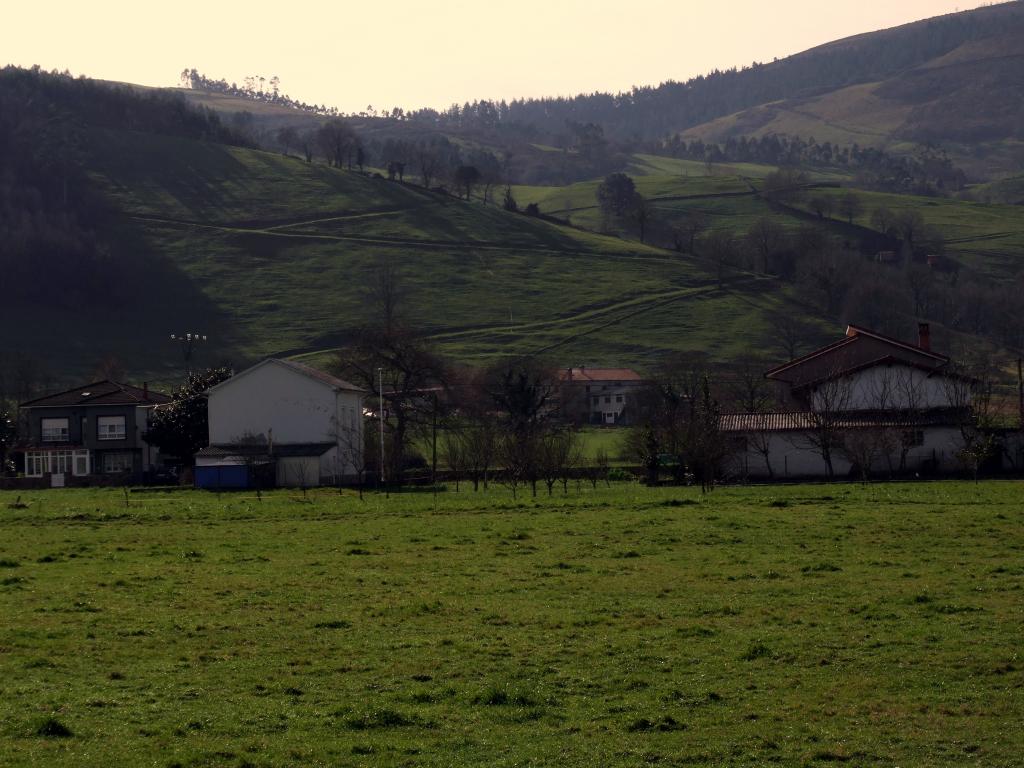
279,416
605,396
867,400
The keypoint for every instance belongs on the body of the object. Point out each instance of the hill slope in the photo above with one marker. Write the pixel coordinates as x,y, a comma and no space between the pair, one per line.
267,254
970,100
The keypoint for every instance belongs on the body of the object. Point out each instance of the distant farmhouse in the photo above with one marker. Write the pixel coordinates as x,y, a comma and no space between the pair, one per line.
606,396
866,398
281,423
96,429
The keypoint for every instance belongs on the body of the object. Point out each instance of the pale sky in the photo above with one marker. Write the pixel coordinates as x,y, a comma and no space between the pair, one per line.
414,53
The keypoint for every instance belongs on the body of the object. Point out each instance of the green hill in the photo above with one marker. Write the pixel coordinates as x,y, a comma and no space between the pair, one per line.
967,99
268,255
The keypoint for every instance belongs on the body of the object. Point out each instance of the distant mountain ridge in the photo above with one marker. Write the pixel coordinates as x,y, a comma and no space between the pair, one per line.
956,81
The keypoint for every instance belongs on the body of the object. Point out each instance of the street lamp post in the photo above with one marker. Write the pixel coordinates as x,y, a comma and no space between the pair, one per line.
188,342
380,413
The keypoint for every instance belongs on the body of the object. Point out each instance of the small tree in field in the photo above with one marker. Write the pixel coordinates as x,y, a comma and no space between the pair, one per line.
616,195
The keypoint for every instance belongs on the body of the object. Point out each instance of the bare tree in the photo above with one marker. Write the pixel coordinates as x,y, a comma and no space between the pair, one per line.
453,450
969,390
829,405
693,224
428,161
288,137
721,249
822,205
765,237
391,362
850,206
642,213
335,138
787,334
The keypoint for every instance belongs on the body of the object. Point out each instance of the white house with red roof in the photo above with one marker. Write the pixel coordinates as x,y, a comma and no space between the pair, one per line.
605,396
866,399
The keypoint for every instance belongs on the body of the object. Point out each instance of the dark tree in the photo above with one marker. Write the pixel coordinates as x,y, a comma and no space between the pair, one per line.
766,238
288,138
335,137
391,361
616,195
180,428
467,177
850,206
642,213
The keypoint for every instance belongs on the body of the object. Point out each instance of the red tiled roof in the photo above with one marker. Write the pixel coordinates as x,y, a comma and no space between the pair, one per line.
782,421
856,330
100,393
600,374
852,332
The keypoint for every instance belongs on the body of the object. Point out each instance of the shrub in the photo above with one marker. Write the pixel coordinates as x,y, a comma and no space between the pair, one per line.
756,651
52,728
379,718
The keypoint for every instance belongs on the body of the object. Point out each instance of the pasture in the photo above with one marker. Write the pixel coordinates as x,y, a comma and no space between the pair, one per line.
796,625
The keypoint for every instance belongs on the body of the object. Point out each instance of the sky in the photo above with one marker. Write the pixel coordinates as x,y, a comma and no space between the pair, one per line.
416,53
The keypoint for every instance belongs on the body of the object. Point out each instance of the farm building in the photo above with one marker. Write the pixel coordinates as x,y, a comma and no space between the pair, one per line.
867,402
605,396
281,423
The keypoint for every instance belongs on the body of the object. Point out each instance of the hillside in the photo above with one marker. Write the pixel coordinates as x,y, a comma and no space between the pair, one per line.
955,81
269,255
962,272
970,100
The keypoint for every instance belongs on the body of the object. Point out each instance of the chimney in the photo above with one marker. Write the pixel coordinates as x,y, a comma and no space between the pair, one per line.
145,390
924,337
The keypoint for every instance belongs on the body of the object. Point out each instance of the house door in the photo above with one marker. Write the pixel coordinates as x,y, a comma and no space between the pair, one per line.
81,467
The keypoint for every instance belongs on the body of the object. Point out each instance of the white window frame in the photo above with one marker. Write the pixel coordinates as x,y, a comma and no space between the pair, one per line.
81,456
39,463
103,423
48,434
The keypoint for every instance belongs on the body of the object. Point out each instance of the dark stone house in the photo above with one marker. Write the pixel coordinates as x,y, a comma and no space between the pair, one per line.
96,429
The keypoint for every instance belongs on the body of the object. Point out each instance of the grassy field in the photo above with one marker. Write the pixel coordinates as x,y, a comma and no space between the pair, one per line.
800,625
987,238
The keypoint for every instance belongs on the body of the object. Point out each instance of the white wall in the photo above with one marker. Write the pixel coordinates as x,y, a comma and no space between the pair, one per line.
297,408
791,455
885,386
298,472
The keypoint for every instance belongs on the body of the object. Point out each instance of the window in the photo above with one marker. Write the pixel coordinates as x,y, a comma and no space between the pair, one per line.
913,438
55,430
117,461
597,400
618,398
110,428
39,463
34,463
607,398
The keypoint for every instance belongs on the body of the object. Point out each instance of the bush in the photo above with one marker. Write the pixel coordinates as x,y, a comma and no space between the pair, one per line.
52,728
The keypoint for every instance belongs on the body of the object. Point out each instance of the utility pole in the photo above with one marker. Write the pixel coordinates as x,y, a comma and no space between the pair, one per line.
1020,393
380,408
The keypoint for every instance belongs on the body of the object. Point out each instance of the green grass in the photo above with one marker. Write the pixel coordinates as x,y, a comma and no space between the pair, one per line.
269,255
986,238
799,625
